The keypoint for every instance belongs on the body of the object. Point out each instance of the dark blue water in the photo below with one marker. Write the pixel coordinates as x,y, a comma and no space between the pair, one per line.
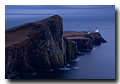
98,63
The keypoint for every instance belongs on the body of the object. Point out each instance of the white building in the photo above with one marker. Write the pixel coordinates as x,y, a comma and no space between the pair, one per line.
96,30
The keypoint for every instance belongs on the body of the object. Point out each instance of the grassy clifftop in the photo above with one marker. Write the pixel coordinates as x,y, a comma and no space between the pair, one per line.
20,33
35,45
44,45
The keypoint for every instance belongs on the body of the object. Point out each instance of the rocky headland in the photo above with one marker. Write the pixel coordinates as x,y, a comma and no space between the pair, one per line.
85,39
44,45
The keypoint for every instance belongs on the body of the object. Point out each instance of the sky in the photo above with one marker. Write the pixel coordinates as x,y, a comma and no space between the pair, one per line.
82,10
73,25
19,10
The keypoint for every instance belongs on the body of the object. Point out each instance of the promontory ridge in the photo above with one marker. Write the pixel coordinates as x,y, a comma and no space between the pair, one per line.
44,45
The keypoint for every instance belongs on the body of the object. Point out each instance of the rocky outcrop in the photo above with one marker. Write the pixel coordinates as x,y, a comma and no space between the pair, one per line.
44,45
96,38
35,45
82,43
71,49
15,60
84,40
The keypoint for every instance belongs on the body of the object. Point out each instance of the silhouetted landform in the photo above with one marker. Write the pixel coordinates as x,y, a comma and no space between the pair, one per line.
41,45
84,40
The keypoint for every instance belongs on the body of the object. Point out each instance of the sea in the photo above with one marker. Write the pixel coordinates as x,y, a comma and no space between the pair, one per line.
98,63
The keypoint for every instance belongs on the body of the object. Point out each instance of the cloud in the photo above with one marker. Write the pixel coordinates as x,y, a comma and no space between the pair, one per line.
39,11
86,10
60,6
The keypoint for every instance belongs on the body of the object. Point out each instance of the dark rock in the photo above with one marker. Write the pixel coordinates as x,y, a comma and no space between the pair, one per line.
71,49
103,40
56,27
15,61
41,47
83,44
96,38
83,39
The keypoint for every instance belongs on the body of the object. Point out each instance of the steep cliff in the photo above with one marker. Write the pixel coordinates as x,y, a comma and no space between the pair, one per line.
35,45
82,43
71,49
84,40
96,38
44,45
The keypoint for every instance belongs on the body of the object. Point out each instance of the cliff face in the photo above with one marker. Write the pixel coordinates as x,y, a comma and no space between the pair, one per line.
82,43
96,38
39,48
44,45
83,39
70,49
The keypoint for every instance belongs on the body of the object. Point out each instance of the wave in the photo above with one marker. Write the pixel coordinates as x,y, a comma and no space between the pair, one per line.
76,67
64,68
68,64
75,59
93,48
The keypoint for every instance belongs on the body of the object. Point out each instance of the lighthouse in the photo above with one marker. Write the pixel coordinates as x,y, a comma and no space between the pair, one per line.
96,29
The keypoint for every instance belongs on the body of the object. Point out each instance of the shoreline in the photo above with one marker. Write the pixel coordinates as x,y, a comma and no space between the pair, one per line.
46,41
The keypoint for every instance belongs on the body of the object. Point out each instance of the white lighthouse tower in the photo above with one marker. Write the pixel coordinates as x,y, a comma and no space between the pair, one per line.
96,29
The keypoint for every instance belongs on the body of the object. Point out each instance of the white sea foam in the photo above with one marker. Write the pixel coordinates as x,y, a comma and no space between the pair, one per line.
68,64
64,68
75,59
94,48
76,67
83,56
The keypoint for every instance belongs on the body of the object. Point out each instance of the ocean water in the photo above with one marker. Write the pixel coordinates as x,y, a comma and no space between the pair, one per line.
99,63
